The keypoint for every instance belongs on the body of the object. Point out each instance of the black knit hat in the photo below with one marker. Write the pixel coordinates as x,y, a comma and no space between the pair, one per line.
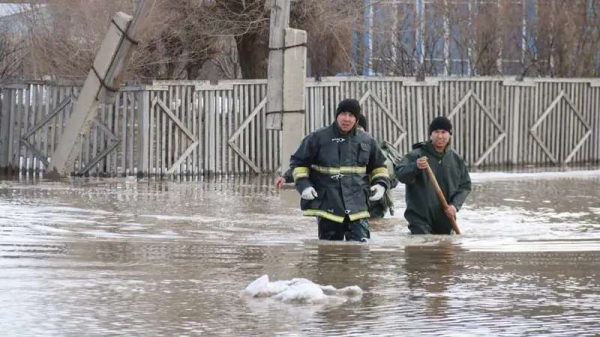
362,121
348,105
440,123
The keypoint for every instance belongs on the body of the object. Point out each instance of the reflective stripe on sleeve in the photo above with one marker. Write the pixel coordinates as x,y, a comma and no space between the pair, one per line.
300,172
380,172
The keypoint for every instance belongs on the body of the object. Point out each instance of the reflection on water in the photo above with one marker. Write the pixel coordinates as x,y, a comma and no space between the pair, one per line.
429,270
102,257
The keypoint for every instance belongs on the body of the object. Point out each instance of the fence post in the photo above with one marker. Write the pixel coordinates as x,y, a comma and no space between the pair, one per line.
4,125
143,132
516,155
13,128
422,124
595,86
516,117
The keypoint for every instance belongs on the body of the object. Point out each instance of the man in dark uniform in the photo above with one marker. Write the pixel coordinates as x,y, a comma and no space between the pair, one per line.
337,170
424,211
377,209
288,178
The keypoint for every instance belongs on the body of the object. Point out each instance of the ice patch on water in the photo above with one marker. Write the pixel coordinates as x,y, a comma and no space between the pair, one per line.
515,200
299,290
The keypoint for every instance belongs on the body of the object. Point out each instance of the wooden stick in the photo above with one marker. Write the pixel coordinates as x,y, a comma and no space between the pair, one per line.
440,195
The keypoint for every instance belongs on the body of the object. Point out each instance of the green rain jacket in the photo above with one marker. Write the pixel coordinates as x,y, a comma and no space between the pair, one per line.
341,168
424,211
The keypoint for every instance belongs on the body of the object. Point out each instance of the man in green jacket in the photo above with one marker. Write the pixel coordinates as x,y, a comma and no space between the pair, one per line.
424,211
337,171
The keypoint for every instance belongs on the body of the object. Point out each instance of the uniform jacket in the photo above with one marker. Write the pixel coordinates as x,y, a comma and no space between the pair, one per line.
423,208
341,168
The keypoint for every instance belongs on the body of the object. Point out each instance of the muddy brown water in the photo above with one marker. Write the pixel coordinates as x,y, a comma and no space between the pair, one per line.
107,257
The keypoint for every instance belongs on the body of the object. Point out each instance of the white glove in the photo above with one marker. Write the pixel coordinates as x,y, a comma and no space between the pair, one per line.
309,193
378,192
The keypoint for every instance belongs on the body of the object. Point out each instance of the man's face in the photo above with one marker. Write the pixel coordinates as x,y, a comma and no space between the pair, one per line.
346,121
440,139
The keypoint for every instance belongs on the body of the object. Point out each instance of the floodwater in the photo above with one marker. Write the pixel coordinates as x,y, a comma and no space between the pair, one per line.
107,257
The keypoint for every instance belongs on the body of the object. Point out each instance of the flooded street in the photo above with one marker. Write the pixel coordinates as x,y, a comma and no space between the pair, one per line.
106,257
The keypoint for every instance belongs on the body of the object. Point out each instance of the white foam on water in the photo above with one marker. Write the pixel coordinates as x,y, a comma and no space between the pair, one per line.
183,218
565,245
487,176
516,200
569,215
49,229
54,209
594,210
478,177
300,290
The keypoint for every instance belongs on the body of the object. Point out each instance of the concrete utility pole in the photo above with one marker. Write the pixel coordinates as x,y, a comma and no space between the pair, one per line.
286,80
101,85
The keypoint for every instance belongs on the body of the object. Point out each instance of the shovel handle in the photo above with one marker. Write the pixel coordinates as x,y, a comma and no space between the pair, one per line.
440,195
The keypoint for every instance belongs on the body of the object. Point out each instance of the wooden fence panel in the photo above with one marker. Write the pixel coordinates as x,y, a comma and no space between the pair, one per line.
198,128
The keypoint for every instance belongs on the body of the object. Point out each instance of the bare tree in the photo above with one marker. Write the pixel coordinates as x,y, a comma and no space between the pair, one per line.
329,25
566,42
11,54
179,43
66,34
193,39
480,37
394,38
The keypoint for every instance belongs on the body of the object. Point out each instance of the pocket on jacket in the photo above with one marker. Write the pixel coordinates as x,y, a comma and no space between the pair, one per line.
363,154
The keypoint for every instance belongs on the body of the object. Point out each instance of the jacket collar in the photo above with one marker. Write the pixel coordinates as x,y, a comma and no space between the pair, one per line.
428,146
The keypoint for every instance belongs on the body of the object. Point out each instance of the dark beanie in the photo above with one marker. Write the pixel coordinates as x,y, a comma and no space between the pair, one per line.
362,121
440,123
348,105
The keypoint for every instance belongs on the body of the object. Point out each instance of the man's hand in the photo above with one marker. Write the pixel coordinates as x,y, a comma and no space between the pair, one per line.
309,193
422,163
378,192
279,182
451,211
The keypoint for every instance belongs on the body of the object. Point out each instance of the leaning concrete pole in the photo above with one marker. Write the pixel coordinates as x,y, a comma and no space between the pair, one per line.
286,81
101,85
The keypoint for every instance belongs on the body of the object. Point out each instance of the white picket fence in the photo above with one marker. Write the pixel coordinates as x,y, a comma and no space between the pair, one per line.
198,128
